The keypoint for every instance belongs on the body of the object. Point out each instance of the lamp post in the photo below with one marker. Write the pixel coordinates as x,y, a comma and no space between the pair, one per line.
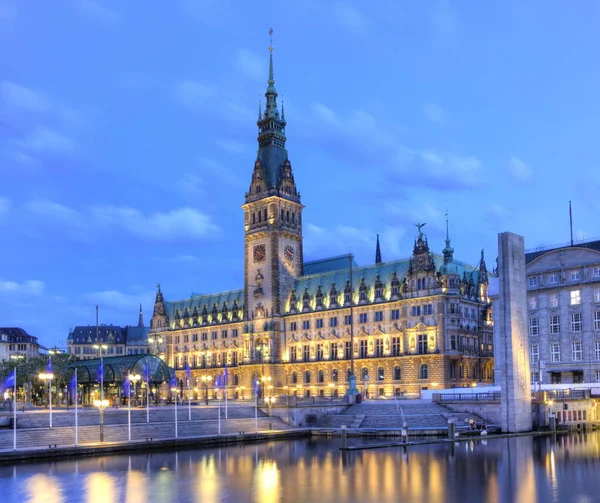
47,377
135,379
100,348
264,379
331,386
101,404
205,380
270,401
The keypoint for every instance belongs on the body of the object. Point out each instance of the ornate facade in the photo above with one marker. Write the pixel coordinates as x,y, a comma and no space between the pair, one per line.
300,327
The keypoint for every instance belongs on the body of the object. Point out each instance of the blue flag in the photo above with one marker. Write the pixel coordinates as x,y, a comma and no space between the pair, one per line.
226,376
146,373
9,382
219,382
49,366
127,387
256,386
73,383
101,372
188,372
174,382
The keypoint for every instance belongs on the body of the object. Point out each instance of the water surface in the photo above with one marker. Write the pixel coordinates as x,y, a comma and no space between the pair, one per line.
523,469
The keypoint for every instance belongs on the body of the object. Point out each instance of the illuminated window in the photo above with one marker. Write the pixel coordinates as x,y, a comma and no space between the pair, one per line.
575,297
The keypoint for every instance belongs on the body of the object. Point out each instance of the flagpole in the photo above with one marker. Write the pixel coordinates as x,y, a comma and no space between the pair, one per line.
147,376
175,412
219,414
256,406
50,384
76,399
189,401
129,407
226,385
15,412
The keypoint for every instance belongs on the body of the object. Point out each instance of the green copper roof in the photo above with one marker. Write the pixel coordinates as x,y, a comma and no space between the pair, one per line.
327,265
206,301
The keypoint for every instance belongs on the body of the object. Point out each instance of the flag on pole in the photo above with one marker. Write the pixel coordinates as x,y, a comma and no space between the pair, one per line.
226,375
146,373
10,381
219,381
174,383
100,372
72,387
127,386
256,386
49,366
188,372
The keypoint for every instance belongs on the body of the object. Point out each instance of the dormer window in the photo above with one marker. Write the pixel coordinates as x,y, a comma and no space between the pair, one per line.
258,189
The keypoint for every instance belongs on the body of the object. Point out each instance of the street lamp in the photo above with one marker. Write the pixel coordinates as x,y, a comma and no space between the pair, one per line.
134,379
48,376
264,379
101,404
270,401
205,381
100,348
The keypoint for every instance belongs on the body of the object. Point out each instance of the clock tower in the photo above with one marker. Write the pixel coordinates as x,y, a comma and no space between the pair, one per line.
273,231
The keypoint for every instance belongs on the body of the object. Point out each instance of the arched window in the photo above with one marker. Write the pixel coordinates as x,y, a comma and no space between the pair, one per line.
321,376
294,378
307,377
380,374
335,375
365,374
236,379
397,373
423,371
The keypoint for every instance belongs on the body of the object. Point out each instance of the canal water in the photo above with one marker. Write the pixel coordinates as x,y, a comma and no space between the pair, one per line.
522,470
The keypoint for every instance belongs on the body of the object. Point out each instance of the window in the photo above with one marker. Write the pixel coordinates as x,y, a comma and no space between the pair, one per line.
453,342
363,317
555,352
365,374
596,320
294,378
363,349
347,319
428,309
395,346
597,295
597,375
319,352
554,300
555,324
320,323
534,353
397,373
533,302
379,347
380,374
395,314
347,350
204,336
534,326
224,334
333,351
333,321
533,281
575,297
293,326
553,278
535,377
575,276
423,371
214,336
335,375
575,322
305,353
416,310
596,272
597,347
422,344
378,315
307,377
306,325
577,352
321,376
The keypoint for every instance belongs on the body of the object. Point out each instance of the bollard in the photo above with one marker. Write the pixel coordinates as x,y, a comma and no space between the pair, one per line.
451,430
344,436
552,422
405,435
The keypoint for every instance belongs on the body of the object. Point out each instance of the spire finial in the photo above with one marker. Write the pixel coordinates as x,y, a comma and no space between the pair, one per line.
271,76
259,110
282,109
141,318
447,233
378,252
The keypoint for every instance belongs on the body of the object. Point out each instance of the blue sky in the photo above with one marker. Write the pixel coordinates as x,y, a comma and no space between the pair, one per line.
128,138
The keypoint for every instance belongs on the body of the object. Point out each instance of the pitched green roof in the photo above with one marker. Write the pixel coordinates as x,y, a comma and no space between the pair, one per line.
328,265
201,301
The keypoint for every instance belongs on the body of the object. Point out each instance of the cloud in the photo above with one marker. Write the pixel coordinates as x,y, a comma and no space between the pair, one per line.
114,299
22,158
191,183
412,213
178,223
520,170
45,140
19,96
251,65
28,287
434,113
8,12
97,11
192,94
351,19
53,210
444,19
232,146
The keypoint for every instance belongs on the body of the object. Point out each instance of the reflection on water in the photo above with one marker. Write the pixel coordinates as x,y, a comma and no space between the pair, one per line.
523,469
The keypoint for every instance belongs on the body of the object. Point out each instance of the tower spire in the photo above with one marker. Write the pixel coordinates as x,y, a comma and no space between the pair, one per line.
141,318
448,251
378,252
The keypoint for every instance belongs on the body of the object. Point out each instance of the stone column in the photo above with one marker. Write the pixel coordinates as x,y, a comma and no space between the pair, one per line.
511,348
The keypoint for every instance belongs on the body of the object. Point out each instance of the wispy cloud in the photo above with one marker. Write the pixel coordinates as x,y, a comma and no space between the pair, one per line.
520,170
45,140
251,65
350,18
28,287
235,147
434,113
97,11
193,94
5,205
22,97
53,210
120,301
191,183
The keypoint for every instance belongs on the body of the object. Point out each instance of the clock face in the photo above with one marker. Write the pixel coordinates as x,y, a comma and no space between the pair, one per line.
288,252
259,253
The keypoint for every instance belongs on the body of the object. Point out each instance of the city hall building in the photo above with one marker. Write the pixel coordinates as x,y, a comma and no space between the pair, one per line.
422,322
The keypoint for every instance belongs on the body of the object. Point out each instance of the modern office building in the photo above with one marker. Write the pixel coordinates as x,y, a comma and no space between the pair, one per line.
563,294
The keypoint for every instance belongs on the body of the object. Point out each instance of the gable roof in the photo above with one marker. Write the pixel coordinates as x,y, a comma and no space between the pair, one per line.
327,265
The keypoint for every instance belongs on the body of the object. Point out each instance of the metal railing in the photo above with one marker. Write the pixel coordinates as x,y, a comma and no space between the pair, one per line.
470,397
